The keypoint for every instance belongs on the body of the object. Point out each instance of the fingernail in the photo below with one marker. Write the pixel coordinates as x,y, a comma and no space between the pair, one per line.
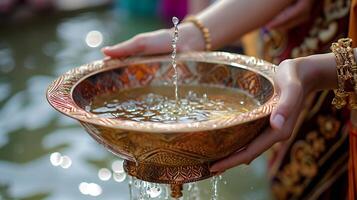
278,121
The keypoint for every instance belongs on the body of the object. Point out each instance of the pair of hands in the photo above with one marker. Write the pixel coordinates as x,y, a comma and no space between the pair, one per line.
293,80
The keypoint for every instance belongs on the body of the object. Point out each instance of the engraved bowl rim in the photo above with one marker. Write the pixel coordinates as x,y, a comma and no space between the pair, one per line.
60,91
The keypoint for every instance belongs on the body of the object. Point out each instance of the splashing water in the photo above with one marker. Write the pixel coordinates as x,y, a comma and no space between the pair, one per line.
214,187
153,103
154,190
130,187
142,191
193,191
175,21
167,192
145,190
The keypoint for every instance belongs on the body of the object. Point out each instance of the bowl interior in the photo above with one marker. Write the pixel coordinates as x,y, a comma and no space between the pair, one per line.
158,73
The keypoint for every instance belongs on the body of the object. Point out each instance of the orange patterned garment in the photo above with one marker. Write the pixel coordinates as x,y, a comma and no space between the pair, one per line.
352,32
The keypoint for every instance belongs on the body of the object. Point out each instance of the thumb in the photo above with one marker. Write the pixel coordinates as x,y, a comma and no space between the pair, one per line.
290,96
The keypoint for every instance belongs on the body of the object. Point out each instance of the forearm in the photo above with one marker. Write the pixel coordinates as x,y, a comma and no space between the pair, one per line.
229,19
318,72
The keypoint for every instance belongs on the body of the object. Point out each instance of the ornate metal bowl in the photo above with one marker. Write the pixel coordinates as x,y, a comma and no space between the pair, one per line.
168,153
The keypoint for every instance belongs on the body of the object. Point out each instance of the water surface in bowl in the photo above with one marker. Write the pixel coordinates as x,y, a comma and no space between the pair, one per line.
157,103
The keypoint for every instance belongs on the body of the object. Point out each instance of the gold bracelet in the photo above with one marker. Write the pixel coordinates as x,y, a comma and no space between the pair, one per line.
346,73
204,30
339,101
353,70
353,65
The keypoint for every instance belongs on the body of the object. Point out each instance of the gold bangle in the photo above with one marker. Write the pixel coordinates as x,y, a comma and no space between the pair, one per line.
339,101
353,70
353,65
204,30
346,73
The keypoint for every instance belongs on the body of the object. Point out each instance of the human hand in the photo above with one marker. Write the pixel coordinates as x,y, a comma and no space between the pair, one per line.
294,80
292,16
158,42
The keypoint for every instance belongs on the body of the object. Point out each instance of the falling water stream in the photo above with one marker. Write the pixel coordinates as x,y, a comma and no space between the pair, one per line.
175,21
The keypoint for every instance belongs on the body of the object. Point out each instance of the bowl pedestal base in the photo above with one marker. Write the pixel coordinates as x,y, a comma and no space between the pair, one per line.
176,176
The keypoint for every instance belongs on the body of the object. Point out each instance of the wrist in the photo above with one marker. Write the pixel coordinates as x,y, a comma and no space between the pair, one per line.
189,38
317,72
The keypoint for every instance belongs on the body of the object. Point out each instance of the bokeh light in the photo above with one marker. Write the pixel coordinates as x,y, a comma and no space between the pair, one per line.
56,159
119,177
66,162
104,174
94,39
117,166
91,189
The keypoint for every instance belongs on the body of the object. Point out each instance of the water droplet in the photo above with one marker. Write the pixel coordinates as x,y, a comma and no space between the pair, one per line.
104,174
119,177
66,162
56,158
204,99
193,191
175,20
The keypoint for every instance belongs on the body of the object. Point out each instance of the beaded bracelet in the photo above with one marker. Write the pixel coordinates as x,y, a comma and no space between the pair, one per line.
204,30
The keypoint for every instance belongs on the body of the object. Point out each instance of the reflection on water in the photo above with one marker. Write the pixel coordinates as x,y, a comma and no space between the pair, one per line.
30,130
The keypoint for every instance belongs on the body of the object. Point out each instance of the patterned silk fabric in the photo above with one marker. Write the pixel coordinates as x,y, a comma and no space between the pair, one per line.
313,163
352,32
